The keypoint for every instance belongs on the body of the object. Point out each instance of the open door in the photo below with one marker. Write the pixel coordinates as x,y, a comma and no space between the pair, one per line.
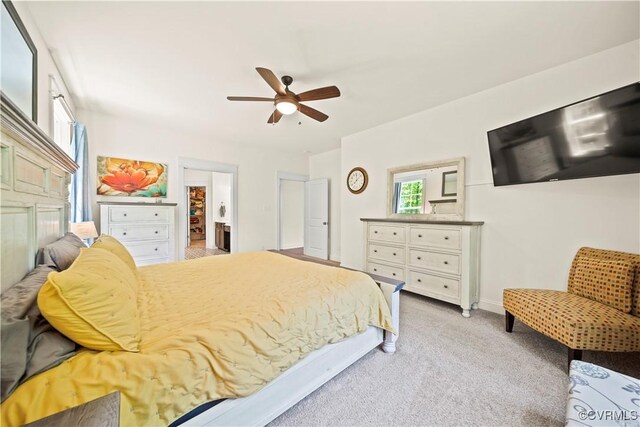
316,218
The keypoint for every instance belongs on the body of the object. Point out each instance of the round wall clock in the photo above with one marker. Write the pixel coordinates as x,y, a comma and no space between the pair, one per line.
357,180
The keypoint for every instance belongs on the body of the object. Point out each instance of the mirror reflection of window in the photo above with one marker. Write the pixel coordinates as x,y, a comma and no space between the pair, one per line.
410,197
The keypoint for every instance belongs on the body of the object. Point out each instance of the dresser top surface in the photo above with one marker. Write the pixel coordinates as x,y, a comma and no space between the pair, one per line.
421,221
102,202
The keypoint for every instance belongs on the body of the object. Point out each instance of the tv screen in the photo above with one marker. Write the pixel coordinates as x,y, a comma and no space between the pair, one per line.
594,137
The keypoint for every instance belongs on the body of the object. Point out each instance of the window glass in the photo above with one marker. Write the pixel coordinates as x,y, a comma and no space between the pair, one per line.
62,122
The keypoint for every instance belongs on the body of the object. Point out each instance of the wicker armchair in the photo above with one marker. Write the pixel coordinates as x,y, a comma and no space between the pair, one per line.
600,310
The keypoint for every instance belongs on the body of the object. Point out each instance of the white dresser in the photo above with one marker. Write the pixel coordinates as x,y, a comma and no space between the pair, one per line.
438,259
146,229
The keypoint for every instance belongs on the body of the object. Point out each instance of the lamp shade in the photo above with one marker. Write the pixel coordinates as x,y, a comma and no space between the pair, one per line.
84,230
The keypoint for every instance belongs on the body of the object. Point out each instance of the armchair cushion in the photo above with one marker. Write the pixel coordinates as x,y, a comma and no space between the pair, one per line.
607,281
575,321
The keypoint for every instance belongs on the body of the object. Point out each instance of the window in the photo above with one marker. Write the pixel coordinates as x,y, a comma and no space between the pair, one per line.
62,124
411,197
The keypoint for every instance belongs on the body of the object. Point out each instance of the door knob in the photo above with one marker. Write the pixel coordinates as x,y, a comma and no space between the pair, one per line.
324,223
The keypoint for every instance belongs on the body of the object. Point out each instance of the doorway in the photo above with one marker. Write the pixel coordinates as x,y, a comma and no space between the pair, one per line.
208,209
302,216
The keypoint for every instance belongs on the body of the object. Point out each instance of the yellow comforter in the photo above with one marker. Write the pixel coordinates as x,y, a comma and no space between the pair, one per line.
212,328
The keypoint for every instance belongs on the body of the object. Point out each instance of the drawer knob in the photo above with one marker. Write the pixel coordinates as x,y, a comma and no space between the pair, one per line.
393,274
394,233
156,249
446,286
156,231
419,235
446,262
446,237
375,269
394,254
375,250
157,215
124,233
375,232
419,258
124,214
419,280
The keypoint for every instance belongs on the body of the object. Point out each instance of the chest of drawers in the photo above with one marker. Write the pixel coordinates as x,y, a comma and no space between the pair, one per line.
437,259
145,229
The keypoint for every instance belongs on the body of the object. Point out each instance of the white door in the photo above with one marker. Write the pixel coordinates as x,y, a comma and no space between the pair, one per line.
316,218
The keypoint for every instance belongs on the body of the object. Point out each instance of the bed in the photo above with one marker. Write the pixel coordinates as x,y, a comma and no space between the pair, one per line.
253,332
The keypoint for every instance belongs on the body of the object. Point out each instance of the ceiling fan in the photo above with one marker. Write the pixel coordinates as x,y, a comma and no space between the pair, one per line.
287,102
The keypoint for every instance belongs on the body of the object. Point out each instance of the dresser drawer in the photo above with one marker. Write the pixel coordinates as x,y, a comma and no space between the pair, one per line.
138,214
445,238
387,233
139,232
386,253
385,271
446,263
142,250
434,284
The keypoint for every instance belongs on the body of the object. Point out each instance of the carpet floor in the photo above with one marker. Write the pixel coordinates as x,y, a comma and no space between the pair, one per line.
191,252
452,371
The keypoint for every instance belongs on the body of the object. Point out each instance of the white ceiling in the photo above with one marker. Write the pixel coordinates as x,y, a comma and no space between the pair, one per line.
174,63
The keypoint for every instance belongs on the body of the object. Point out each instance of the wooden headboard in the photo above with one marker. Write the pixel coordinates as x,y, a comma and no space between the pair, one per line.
34,192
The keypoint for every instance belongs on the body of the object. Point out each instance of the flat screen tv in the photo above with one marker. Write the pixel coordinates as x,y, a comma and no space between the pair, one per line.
594,137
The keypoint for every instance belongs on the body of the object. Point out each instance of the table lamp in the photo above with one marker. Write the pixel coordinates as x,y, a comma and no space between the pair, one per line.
84,230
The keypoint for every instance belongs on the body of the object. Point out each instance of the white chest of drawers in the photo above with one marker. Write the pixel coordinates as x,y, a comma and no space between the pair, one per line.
147,230
437,259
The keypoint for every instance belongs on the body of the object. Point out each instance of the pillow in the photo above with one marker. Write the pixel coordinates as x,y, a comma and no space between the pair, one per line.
606,281
114,246
30,345
94,302
61,253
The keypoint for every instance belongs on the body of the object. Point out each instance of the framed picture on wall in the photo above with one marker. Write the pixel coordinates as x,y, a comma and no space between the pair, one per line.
19,62
449,183
135,178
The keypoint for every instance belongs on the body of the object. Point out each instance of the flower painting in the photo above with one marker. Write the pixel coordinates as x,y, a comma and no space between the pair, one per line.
122,177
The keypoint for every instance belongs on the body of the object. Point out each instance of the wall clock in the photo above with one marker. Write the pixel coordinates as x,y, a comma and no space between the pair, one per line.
357,180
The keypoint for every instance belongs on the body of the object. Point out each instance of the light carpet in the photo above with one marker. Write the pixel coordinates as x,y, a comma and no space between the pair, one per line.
191,252
449,370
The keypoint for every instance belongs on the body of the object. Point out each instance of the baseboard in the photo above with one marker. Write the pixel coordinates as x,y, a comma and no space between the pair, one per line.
493,306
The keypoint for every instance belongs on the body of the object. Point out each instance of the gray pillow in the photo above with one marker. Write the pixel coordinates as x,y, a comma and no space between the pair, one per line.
63,252
29,344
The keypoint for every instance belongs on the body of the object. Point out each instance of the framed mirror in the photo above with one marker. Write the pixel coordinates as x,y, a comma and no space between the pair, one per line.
19,59
433,190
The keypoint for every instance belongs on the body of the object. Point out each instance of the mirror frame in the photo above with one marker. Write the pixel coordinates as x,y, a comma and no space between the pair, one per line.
458,215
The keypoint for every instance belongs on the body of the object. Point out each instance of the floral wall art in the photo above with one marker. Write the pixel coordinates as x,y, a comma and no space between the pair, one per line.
123,177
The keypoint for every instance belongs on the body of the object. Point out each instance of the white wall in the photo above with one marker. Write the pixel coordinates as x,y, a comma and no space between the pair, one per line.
46,67
532,231
291,214
222,193
327,165
257,166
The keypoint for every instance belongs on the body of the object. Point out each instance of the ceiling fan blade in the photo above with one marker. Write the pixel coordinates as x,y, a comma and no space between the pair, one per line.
275,117
313,113
248,98
271,80
321,93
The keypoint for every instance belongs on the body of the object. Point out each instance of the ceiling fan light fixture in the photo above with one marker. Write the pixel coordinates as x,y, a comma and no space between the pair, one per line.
286,107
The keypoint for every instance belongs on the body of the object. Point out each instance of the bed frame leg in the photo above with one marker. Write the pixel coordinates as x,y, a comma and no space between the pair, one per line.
392,295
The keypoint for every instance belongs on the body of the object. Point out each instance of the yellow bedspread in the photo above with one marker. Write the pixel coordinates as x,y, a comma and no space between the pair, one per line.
212,328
